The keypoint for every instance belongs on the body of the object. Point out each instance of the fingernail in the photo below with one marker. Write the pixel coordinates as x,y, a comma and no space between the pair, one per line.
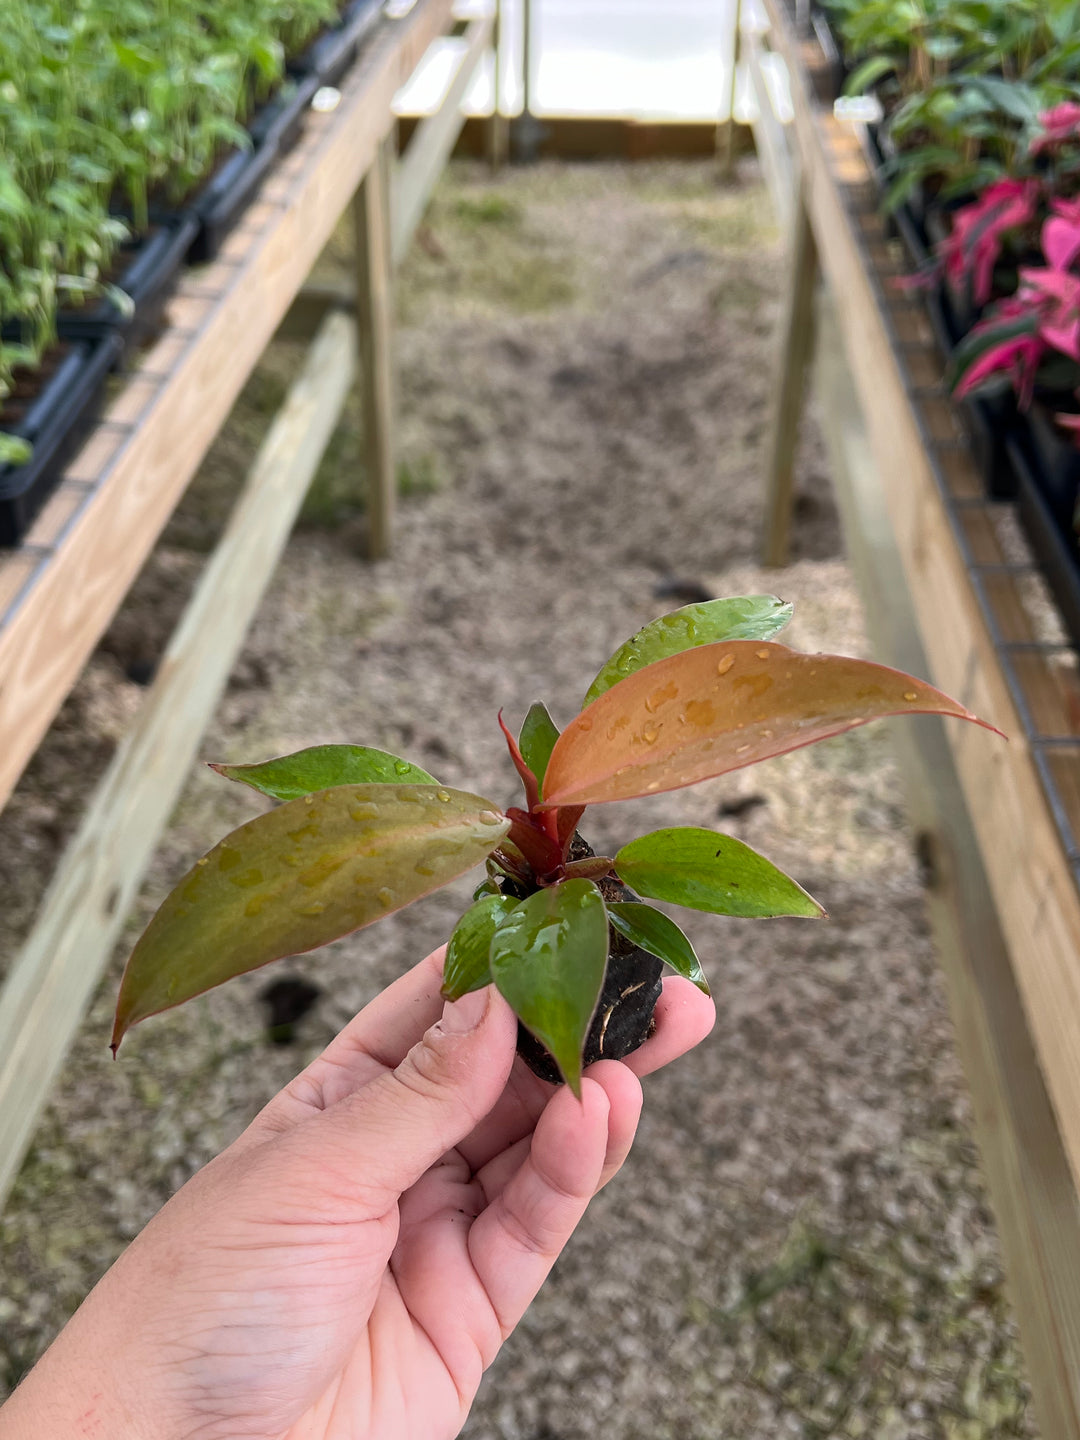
465,1014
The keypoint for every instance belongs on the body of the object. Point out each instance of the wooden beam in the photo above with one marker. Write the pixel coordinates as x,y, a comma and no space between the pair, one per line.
375,324
498,137
727,159
771,139
212,348
51,982
1029,872
794,349
1035,1202
433,142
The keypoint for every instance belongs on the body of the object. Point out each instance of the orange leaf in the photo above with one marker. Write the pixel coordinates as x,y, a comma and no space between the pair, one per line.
717,708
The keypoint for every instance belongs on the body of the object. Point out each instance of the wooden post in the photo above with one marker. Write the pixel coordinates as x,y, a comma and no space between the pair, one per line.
499,124
375,324
45,996
727,161
796,344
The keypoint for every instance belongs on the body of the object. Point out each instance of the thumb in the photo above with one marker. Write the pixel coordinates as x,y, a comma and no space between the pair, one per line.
394,1128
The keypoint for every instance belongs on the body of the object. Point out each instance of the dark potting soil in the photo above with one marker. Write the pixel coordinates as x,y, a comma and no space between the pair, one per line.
632,985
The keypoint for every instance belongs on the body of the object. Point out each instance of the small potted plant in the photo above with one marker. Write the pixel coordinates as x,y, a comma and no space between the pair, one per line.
561,932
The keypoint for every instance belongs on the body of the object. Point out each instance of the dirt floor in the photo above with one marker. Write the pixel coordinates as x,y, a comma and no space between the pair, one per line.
801,1243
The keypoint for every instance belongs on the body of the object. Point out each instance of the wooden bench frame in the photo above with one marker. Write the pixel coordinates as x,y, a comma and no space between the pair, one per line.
59,590
1003,896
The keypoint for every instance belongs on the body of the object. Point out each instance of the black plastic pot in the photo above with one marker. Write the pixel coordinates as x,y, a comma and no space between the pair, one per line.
1055,463
1054,544
330,55
150,264
54,422
274,130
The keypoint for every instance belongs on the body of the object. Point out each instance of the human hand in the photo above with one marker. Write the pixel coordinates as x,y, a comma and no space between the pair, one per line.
351,1264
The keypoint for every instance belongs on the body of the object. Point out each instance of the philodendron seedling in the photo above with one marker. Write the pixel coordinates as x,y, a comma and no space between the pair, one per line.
561,932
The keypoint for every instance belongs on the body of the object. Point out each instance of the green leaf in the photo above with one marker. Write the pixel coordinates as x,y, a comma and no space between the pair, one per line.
323,766
653,931
537,740
868,73
742,617
14,450
468,964
548,959
707,871
304,874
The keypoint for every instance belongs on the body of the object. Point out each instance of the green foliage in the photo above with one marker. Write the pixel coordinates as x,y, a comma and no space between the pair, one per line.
468,953
116,100
321,766
537,740
346,847
307,872
706,871
964,81
653,931
745,617
548,959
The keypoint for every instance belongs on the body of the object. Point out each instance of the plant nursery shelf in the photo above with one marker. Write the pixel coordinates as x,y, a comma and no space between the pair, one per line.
60,588
966,597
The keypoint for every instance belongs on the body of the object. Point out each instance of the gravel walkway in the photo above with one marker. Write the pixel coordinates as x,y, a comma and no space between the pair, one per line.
800,1244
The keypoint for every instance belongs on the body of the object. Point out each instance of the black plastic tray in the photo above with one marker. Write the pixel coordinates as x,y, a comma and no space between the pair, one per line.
274,130
1056,550
330,55
55,424
153,264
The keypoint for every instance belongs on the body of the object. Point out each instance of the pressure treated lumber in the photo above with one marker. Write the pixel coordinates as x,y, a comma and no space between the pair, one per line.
1029,872
375,313
796,345
433,141
52,980
1035,1202
218,334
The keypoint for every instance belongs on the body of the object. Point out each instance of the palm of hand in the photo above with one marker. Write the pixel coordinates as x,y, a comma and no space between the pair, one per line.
348,1268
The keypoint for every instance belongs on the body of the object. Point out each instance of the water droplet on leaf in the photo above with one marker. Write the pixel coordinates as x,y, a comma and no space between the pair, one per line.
385,897
911,695
366,810
316,907
762,654
443,795
724,665
649,734
489,817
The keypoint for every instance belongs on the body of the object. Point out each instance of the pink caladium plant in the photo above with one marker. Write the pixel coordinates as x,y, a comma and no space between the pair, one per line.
973,247
567,936
1042,320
